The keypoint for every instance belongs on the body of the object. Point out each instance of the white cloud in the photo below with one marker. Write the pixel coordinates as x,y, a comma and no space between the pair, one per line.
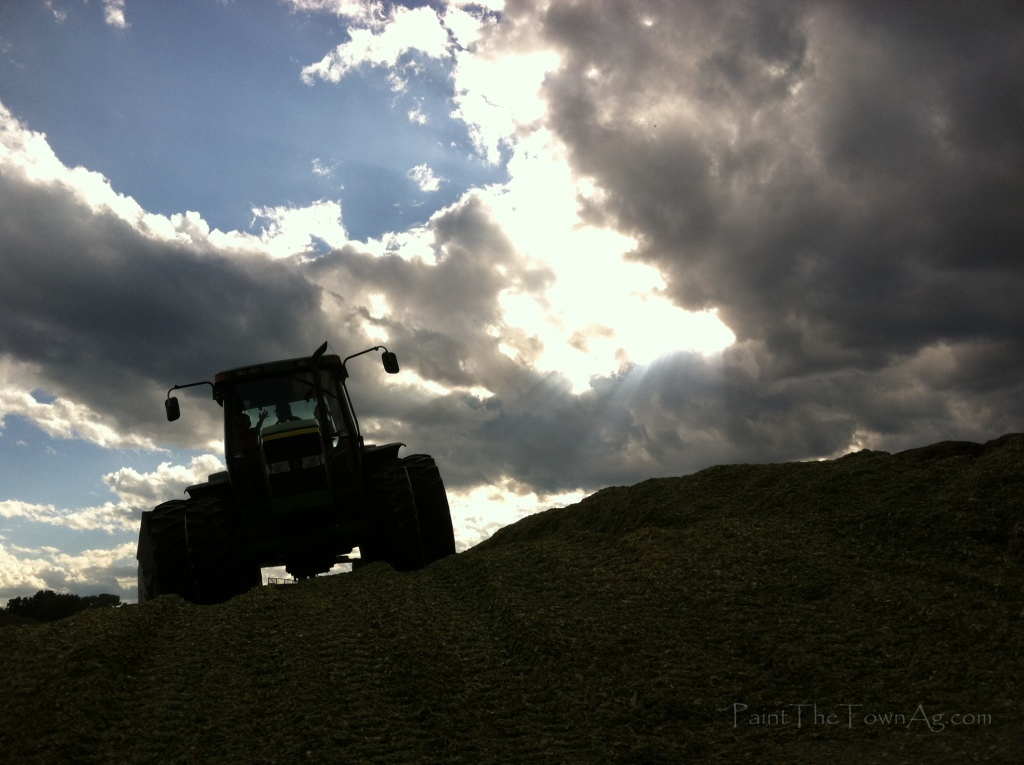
62,417
95,565
108,517
26,154
22,574
113,13
424,178
417,116
497,94
406,30
372,11
288,231
500,96
322,169
59,15
24,571
33,512
146,490
478,512
465,27
366,11
135,491
414,244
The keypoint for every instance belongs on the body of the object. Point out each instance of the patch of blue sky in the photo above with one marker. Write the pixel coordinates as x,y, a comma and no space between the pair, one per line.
42,396
64,472
200,106
129,103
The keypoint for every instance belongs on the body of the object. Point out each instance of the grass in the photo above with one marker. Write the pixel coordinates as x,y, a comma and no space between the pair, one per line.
678,620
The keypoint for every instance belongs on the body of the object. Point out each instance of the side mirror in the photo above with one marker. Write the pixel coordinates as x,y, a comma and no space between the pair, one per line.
172,409
390,362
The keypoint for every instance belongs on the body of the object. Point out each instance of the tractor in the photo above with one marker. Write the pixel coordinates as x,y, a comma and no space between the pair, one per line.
301,490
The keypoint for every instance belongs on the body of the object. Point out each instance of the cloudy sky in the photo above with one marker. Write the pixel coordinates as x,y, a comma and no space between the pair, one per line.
607,240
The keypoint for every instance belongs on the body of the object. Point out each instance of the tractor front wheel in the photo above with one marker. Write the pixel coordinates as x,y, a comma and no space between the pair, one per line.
163,552
432,505
218,577
397,539
185,549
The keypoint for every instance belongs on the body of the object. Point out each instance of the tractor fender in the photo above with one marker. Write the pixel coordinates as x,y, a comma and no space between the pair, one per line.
379,456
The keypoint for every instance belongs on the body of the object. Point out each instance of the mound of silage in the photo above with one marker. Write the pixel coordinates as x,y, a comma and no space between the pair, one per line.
866,609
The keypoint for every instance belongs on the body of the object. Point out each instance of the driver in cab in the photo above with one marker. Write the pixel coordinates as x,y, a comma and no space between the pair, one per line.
283,412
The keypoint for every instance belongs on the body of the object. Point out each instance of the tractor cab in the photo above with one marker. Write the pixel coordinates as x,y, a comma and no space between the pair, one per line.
288,429
291,438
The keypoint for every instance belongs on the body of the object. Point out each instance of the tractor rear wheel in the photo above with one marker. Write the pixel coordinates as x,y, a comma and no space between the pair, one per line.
432,505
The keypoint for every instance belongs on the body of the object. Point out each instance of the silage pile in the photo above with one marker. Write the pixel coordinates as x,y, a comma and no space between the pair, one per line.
671,621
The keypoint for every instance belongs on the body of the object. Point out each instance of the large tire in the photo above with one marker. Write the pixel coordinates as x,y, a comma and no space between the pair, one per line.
163,552
397,539
432,506
218,577
184,549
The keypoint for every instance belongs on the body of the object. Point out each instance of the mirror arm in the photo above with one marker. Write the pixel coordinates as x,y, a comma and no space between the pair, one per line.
189,385
368,350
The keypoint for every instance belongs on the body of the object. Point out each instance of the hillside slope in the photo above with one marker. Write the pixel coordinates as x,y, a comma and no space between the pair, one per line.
867,609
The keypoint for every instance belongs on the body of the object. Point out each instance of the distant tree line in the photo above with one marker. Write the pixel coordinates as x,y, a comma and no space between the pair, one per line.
50,606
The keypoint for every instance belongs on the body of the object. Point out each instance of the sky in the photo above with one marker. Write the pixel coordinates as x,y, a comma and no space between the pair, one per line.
607,240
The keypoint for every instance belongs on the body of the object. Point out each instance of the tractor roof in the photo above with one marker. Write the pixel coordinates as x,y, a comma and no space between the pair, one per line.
270,368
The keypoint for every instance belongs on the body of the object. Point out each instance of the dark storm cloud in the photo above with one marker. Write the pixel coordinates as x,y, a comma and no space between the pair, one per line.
114,318
843,182
442,311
